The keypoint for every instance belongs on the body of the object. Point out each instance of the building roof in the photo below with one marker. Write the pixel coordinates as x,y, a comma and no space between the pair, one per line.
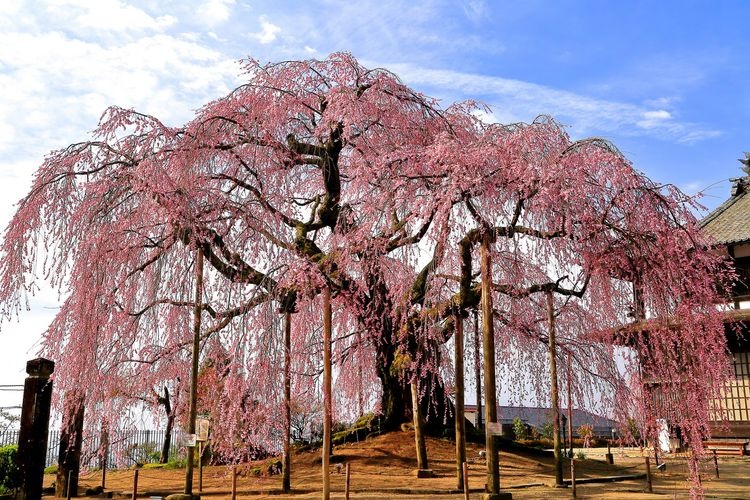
539,416
730,222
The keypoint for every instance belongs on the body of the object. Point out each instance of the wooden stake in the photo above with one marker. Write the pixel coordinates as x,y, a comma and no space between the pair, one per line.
200,466
573,476
554,393
478,370
135,484
346,487
418,428
326,449
70,476
648,475
460,418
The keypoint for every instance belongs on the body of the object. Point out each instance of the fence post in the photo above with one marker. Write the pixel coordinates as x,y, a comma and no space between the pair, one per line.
716,464
346,487
135,484
648,475
70,476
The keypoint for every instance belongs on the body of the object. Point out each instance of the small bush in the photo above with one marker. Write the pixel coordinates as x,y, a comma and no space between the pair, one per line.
581,455
52,469
9,474
519,429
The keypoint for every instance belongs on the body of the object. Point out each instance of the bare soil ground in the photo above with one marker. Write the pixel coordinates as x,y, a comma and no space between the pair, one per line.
383,467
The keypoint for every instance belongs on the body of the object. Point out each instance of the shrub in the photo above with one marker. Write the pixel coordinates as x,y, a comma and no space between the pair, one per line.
548,429
581,455
9,474
519,429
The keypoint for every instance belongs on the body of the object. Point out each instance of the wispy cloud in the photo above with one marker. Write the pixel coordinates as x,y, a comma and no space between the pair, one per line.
517,100
267,33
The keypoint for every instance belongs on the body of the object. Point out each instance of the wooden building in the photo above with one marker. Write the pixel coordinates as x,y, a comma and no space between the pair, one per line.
729,225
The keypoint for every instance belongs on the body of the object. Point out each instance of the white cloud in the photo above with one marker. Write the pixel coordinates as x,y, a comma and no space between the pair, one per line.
516,100
267,33
105,15
214,12
652,119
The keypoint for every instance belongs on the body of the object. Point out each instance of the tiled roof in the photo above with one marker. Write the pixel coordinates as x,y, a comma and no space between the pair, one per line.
730,222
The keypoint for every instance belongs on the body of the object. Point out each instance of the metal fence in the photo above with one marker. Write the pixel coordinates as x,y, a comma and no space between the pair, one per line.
126,448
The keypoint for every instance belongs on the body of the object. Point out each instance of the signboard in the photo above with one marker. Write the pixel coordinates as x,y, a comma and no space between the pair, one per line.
190,439
202,425
495,428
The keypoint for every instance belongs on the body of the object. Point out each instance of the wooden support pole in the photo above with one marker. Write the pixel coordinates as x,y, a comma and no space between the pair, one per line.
234,482
348,478
326,448
648,475
554,392
193,409
490,390
465,468
287,466
135,484
460,418
69,485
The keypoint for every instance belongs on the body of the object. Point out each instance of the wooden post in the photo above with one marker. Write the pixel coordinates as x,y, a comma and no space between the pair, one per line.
197,311
200,466
326,448
234,482
135,484
460,418
610,458
286,472
573,476
69,484
465,468
490,391
32,437
348,478
648,475
554,394
716,464
570,403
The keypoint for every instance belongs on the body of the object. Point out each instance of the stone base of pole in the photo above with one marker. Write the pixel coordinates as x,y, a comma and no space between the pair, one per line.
183,496
497,496
424,473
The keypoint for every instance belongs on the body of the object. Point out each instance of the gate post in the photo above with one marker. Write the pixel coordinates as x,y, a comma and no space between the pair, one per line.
32,438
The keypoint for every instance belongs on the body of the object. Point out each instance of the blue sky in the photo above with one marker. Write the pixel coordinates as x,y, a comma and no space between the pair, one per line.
668,82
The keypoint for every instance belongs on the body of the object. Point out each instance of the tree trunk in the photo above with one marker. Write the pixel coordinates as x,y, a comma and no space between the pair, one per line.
286,472
460,419
490,395
71,439
326,448
167,444
554,393
418,428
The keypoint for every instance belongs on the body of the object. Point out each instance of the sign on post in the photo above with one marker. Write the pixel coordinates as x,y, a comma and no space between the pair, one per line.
190,439
202,424
495,428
